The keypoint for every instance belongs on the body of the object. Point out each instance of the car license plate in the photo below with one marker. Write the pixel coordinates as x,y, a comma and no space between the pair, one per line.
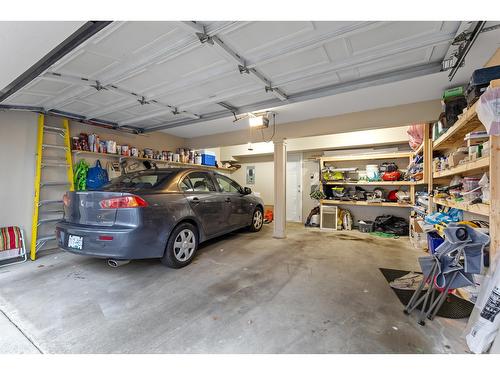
75,242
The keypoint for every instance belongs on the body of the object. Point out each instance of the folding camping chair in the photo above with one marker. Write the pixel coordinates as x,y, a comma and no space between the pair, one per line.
12,246
452,266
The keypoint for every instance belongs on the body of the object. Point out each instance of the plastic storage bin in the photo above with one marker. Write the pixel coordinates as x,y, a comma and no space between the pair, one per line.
434,240
207,159
365,226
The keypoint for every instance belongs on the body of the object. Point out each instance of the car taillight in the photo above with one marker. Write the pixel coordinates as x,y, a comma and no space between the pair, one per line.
66,199
129,201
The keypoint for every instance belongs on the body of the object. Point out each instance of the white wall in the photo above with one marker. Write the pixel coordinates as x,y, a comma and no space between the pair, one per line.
26,42
380,118
264,177
18,133
364,138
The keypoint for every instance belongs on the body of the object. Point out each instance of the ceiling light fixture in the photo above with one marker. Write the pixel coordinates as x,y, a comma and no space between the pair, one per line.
258,121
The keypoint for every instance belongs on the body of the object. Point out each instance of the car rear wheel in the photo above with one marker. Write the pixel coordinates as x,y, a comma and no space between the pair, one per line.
181,246
257,220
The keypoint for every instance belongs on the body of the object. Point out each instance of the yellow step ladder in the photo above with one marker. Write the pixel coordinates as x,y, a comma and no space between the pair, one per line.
44,211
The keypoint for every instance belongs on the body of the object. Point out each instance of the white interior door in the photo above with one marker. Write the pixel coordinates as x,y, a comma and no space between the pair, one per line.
294,187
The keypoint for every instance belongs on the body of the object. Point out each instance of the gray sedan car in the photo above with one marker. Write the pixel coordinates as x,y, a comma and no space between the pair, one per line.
163,213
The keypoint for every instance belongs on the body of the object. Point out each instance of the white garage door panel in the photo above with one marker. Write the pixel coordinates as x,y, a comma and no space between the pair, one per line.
78,107
203,108
163,117
116,116
140,110
244,100
228,83
391,32
337,50
195,61
132,37
86,64
166,62
259,35
391,63
346,75
323,27
47,87
438,52
325,80
27,99
146,80
103,97
172,70
296,62
180,97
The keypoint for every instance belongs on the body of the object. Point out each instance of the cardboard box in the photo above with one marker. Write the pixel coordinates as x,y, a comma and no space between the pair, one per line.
455,158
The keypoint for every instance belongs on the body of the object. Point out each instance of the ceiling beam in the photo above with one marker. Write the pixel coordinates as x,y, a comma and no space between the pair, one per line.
375,80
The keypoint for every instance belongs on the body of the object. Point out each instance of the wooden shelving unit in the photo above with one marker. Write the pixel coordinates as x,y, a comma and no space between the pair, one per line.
374,156
391,156
469,122
454,138
479,209
471,167
364,203
165,162
372,183
419,150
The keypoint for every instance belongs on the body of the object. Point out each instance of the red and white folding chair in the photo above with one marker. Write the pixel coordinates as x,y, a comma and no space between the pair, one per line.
12,246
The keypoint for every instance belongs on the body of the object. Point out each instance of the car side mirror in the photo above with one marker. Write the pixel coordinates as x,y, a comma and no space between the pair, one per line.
246,191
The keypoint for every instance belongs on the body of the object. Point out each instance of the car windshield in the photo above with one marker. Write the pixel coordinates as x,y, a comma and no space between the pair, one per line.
138,181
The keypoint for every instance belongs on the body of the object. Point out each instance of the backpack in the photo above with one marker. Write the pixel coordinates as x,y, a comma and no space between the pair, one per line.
392,225
96,177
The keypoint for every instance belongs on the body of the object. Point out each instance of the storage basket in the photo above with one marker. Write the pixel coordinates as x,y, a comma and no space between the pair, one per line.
365,226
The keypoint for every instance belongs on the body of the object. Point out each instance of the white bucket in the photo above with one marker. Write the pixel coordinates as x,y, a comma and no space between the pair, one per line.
372,171
314,220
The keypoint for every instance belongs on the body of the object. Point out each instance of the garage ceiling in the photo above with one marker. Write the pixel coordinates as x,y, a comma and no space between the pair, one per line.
164,75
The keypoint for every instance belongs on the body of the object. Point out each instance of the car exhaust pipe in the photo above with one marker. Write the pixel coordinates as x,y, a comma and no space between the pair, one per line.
117,263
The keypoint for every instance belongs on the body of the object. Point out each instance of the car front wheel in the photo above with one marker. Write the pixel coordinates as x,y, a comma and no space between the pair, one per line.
257,220
181,246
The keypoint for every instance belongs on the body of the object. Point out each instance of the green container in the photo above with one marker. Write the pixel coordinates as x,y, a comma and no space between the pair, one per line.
454,92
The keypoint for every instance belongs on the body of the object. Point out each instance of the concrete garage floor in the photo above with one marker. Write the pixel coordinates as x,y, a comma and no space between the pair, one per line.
314,292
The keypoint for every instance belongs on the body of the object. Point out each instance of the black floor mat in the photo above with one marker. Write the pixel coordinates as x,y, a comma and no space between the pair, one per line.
453,308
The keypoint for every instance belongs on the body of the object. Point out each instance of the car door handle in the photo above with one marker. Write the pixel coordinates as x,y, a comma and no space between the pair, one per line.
228,200
195,200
